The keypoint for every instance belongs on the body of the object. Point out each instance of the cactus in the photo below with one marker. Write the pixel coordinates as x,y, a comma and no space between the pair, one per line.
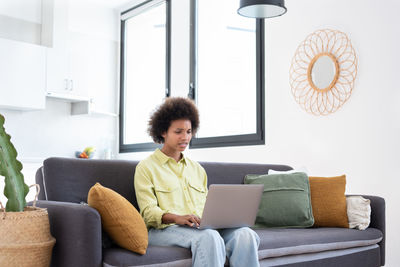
15,188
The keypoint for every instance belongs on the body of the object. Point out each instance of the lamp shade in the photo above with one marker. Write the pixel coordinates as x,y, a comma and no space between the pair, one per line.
262,8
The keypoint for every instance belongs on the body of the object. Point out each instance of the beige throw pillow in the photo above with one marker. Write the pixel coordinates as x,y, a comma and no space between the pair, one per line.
358,212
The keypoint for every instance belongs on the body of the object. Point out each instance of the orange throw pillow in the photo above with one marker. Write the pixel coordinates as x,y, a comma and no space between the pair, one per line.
119,218
328,201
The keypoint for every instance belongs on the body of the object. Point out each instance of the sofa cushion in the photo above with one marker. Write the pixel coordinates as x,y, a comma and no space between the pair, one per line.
69,179
329,201
233,173
285,201
281,242
367,256
155,255
274,243
119,218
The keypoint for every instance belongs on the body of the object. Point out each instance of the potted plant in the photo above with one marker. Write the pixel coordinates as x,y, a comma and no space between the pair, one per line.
25,238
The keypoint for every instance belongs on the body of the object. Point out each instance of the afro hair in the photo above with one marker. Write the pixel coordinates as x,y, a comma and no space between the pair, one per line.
173,108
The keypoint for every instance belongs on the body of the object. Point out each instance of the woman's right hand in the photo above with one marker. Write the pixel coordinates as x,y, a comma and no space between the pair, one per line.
189,220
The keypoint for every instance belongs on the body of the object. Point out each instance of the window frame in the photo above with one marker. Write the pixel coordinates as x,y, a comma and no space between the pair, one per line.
137,9
257,138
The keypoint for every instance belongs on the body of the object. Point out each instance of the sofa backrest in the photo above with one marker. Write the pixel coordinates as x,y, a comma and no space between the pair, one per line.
69,179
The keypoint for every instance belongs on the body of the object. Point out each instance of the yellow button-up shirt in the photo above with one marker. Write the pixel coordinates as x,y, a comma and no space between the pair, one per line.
163,185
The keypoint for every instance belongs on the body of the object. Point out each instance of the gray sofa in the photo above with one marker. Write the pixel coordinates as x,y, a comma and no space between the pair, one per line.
77,227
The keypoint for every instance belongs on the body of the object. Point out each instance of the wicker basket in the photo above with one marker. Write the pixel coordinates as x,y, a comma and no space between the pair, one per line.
25,238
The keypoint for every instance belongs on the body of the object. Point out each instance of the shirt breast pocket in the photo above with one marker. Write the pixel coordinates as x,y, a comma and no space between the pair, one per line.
168,196
198,193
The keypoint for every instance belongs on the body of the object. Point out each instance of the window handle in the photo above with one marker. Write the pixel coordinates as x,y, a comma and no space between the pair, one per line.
191,93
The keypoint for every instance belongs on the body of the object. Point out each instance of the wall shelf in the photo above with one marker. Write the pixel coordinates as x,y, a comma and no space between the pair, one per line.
87,108
80,105
67,97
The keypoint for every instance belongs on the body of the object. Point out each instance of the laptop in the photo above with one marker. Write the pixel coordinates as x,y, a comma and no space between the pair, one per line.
231,205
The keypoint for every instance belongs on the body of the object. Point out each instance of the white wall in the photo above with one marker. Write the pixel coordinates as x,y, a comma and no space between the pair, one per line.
102,23
361,139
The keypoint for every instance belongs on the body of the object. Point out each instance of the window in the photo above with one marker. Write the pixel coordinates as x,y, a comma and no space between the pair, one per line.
227,65
144,70
226,72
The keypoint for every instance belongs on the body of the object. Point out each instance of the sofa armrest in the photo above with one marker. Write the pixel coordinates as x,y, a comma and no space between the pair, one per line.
378,220
77,229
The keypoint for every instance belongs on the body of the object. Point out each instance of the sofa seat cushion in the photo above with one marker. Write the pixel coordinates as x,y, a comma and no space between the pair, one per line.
275,242
282,242
154,255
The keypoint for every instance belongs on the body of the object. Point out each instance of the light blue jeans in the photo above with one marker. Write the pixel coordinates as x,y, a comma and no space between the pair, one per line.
211,247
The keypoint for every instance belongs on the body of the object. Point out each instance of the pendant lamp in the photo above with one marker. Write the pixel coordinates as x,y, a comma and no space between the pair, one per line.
261,9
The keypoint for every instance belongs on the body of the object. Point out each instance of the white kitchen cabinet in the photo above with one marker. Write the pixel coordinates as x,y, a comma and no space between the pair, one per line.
82,63
54,36
82,70
100,73
61,51
22,75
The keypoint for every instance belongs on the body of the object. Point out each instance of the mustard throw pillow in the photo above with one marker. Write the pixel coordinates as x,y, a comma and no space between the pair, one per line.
120,218
328,201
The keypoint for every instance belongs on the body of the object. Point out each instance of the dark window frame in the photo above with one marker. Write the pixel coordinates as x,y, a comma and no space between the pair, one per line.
257,138
138,147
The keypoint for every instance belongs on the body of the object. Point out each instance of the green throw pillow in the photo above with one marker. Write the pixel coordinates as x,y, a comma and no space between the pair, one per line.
286,200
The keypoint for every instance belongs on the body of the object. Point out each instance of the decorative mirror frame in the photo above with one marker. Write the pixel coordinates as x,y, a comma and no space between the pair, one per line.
337,46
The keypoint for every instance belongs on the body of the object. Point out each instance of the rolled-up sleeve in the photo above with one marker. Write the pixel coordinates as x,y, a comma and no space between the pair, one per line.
146,198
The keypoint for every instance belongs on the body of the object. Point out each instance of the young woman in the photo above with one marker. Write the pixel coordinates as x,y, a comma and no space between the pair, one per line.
171,191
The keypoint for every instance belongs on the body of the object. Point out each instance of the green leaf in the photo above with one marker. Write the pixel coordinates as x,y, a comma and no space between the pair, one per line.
15,188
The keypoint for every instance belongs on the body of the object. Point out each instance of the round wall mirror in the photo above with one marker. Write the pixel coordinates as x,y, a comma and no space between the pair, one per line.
323,72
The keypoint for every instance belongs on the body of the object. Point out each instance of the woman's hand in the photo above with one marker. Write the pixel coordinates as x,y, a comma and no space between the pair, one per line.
189,220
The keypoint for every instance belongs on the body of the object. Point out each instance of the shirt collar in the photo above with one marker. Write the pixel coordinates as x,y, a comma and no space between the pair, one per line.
162,158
